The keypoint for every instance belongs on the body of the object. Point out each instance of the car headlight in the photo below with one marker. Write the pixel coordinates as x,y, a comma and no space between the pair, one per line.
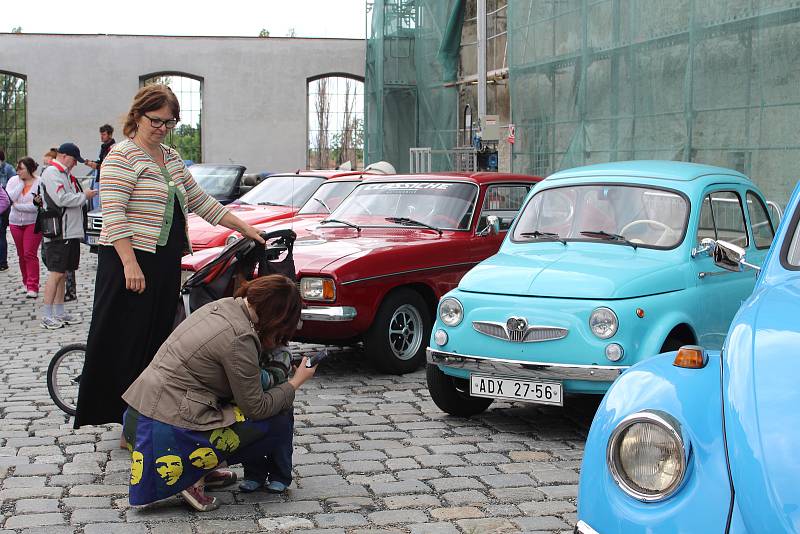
231,239
317,289
647,455
451,312
603,323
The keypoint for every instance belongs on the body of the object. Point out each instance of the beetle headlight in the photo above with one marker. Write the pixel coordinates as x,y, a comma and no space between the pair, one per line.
451,312
647,456
603,323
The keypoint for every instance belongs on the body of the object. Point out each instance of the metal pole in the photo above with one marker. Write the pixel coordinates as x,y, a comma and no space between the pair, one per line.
482,62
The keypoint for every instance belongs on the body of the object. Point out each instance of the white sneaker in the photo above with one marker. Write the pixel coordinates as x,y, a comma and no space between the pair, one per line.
31,294
23,289
68,318
51,323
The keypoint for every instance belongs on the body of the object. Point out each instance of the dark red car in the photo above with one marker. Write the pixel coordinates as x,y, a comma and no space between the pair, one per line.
374,269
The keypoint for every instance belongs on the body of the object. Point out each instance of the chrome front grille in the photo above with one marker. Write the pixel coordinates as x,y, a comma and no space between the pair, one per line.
532,334
95,223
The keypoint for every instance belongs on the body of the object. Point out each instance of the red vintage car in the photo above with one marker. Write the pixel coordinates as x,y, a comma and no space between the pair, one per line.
374,269
278,197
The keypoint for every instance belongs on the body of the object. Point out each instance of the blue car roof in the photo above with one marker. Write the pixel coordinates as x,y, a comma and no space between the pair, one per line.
655,169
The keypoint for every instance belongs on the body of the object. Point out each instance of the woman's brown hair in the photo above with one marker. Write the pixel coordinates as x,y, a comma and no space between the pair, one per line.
150,98
29,164
277,303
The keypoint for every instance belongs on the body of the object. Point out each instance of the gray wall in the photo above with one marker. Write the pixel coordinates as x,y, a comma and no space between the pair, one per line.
254,89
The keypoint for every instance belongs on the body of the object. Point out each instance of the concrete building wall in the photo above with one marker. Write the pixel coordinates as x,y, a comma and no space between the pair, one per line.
254,89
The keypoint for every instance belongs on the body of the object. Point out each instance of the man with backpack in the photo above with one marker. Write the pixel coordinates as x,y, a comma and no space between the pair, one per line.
6,172
62,251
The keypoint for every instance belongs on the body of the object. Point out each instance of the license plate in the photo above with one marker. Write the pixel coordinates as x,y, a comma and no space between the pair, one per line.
521,390
92,239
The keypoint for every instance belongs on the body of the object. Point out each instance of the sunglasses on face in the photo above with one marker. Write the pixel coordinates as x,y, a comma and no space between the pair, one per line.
158,123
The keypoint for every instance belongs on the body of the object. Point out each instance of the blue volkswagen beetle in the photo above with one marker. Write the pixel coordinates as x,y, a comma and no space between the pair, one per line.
602,268
703,441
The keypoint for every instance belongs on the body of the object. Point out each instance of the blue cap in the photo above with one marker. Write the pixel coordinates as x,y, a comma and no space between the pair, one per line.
71,149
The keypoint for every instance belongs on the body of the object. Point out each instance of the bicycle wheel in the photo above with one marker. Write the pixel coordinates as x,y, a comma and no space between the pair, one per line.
64,375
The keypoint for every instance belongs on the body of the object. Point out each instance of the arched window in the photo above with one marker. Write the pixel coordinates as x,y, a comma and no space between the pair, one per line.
13,116
335,121
186,137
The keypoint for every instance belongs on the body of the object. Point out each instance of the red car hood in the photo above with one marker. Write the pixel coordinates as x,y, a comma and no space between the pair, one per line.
328,249
202,234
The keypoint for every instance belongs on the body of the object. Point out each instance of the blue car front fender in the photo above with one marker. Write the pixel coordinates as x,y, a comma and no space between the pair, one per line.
693,398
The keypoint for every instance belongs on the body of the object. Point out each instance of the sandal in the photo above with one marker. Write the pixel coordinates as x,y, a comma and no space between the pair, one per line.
219,478
197,499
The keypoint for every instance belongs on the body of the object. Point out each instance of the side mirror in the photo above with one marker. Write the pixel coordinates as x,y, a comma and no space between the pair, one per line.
249,180
728,256
492,226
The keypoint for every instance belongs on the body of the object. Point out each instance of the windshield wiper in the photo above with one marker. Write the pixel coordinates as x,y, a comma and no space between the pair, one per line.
600,234
545,235
405,221
346,223
265,203
322,202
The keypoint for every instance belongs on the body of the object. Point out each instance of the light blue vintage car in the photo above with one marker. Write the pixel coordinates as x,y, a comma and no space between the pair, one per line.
703,441
602,268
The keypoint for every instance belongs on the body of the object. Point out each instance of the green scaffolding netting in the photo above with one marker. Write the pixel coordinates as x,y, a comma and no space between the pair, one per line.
712,81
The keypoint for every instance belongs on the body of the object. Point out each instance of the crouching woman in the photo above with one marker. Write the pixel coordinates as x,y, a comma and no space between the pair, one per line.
200,405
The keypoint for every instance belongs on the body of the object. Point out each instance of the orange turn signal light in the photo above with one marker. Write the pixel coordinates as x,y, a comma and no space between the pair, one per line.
691,357
328,289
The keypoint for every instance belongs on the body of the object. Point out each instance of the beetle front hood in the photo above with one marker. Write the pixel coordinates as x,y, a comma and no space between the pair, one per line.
761,369
578,271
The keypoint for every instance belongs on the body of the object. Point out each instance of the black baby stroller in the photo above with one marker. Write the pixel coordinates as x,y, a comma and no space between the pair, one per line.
242,260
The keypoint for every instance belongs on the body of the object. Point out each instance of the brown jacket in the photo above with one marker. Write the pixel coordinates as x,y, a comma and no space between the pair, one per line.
210,360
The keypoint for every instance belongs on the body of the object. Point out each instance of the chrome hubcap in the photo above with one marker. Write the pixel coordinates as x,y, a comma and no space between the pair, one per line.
405,332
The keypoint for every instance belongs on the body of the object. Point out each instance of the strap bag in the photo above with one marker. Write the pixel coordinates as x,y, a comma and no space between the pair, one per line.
49,218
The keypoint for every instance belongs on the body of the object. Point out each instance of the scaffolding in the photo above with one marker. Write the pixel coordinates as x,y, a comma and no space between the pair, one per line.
711,81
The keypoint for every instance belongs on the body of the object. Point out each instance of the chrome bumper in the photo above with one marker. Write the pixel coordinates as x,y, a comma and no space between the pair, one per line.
328,313
583,528
527,370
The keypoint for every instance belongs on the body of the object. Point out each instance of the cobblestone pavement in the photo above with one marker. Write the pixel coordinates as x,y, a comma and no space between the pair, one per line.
372,453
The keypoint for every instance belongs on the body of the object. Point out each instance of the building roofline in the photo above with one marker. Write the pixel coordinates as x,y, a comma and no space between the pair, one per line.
179,36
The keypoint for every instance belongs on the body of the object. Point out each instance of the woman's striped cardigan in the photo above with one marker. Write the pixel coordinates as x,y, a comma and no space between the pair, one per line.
133,194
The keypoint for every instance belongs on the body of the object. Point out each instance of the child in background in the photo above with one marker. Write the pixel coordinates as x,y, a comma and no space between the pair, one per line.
276,465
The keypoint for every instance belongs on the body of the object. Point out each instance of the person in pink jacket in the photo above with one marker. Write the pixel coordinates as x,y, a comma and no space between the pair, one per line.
22,189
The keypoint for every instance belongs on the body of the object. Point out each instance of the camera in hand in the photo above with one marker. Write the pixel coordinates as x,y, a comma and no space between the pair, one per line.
314,359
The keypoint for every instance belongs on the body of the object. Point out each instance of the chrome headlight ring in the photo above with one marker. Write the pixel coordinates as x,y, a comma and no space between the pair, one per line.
603,322
673,430
451,311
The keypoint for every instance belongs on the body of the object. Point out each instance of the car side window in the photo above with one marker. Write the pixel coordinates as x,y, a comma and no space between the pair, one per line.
503,201
721,217
760,222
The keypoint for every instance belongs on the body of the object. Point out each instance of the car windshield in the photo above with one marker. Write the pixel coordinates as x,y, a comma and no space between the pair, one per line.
639,216
327,198
442,205
216,181
286,190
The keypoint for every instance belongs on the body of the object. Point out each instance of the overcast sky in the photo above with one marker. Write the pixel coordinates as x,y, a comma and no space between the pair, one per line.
308,18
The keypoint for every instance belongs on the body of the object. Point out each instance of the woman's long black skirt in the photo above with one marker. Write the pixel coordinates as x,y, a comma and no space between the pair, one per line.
128,328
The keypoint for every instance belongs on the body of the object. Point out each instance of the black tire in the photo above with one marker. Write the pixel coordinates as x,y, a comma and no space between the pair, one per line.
64,374
451,394
400,332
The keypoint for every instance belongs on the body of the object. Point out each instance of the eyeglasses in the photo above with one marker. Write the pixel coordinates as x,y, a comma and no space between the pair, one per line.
158,123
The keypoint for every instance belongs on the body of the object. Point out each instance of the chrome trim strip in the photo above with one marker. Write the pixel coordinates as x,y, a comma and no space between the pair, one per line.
583,528
533,334
328,313
408,272
524,370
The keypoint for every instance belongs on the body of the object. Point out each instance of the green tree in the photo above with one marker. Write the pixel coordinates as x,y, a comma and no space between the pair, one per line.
16,29
186,140
13,134
263,33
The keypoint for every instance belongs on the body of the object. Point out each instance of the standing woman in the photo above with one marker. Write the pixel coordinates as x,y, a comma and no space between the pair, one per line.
146,192
22,221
